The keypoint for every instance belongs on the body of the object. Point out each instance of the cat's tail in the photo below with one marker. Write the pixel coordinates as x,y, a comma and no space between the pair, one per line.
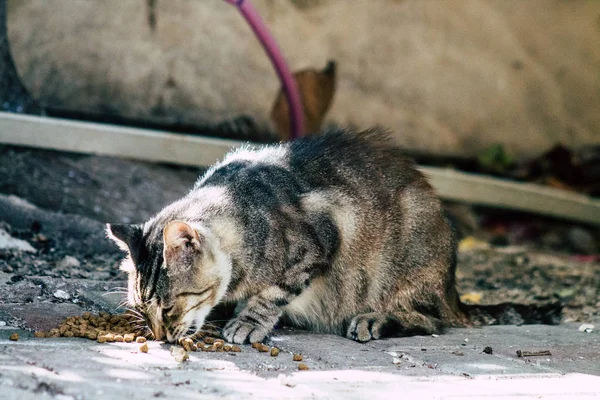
549,313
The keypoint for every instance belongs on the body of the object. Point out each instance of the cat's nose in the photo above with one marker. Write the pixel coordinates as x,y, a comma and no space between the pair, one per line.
158,333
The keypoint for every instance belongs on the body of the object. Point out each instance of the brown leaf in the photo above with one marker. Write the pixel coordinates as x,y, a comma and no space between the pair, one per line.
316,93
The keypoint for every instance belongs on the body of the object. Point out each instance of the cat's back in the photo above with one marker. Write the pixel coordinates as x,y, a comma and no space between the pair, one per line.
340,159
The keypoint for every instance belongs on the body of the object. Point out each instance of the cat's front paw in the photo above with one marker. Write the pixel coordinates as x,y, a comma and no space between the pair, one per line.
239,331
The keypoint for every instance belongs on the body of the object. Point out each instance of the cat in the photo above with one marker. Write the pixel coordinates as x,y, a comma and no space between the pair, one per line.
335,233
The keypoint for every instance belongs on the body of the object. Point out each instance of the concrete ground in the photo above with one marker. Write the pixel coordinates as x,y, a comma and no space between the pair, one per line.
449,366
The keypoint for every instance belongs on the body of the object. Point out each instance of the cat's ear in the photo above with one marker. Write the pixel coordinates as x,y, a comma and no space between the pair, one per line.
126,236
179,235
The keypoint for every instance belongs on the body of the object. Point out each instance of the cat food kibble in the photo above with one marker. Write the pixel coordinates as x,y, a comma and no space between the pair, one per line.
263,348
14,337
302,367
119,338
274,352
188,344
39,334
236,348
297,357
140,339
227,347
209,340
144,347
129,337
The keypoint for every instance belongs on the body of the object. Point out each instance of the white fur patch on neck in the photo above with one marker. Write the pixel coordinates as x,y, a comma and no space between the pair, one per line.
271,155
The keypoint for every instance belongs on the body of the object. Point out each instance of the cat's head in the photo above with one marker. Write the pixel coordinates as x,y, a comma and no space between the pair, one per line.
177,274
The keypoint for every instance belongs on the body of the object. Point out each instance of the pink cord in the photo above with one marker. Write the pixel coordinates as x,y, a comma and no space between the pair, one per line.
283,72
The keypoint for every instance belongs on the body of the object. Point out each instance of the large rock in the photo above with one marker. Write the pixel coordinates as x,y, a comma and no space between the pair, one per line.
448,77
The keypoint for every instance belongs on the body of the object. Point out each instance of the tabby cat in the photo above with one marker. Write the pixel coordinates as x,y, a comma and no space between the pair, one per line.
336,233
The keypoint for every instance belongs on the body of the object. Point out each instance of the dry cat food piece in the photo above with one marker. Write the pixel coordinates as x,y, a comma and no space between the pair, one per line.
129,337
263,348
303,367
144,347
109,337
39,334
297,357
119,338
227,347
210,348
274,352
53,333
188,344
256,345
140,339
91,335
236,349
209,340
14,337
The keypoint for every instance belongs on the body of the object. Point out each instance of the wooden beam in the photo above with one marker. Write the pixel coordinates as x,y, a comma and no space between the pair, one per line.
111,140
156,146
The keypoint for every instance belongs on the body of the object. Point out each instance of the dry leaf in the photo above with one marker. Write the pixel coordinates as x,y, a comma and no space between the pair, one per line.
472,298
316,93
470,243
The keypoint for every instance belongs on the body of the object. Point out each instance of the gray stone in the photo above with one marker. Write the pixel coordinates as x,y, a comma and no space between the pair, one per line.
61,295
9,242
69,262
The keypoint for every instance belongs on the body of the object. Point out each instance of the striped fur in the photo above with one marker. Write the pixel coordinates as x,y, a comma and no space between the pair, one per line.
336,233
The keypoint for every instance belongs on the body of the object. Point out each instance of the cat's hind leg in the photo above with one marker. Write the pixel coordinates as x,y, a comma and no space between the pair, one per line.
376,325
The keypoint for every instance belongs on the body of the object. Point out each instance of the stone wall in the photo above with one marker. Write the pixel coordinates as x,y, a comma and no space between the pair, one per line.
451,77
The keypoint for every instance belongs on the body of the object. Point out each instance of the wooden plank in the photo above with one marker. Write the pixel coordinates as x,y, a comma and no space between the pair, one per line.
156,146
111,140
502,193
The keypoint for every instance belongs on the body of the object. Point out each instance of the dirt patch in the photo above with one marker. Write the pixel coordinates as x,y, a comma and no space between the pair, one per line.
525,276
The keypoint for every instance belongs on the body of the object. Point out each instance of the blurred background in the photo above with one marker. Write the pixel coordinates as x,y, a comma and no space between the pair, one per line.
447,77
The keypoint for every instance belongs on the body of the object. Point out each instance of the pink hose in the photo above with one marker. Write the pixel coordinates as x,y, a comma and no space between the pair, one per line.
283,72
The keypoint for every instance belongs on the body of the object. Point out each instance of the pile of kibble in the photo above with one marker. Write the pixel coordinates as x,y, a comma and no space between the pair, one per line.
108,328
103,327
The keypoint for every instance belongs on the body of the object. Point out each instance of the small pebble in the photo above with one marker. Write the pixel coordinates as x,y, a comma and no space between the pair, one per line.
61,294
488,350
587,328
